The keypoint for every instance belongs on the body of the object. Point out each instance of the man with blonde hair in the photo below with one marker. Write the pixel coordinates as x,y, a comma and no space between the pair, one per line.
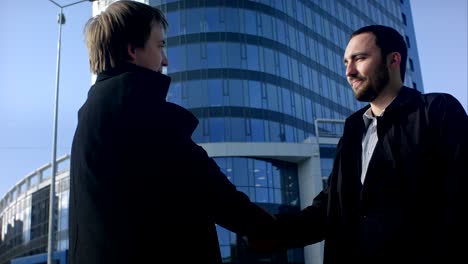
141,191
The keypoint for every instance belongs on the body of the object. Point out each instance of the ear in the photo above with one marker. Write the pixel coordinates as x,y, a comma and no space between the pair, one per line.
394,59
131,52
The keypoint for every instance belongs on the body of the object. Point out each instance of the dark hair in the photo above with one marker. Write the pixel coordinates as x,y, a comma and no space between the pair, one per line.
388,40
121,23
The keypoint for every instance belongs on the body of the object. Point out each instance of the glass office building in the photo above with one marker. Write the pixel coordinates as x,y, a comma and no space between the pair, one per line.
266,80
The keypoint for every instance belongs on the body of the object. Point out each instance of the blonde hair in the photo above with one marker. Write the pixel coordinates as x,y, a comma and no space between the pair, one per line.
108,34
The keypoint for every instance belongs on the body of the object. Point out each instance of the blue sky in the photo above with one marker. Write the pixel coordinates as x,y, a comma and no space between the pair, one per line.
28,49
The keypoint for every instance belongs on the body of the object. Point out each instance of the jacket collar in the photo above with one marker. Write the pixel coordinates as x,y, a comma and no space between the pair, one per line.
399,104
151,77
404,100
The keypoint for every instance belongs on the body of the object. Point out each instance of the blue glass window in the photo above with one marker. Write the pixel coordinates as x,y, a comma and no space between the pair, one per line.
193,56
255,94
214,55
174,21
258,130
240,172
261,195
322,55
238,129
233,55
302,44
215,92
305,76
308,110
315,80
252,55
295,71
318,23
235,93
193,20
275,133
286,94
331,61
217,129
198,95
292,37
299,10
325,87
267,26
260,176
280,31
232,19
276,178
250,18
284,67
326,165
298,106
176,56
269,60
213,20
278,196
290,135
272,97
289,8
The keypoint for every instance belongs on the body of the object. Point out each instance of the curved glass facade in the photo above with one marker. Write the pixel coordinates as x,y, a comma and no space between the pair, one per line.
267,68
24,214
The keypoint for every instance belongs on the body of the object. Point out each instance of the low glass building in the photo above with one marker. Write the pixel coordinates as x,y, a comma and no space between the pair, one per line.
24,213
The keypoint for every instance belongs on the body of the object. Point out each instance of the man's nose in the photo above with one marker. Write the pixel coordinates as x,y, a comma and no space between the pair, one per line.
350,70
165,61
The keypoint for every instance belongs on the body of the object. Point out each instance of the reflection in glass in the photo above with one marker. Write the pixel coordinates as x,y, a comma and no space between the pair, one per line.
264,181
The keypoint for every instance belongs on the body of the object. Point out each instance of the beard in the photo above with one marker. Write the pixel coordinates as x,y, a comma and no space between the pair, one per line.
373,85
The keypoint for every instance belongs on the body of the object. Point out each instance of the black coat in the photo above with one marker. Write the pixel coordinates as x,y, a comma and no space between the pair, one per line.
412,206
140,188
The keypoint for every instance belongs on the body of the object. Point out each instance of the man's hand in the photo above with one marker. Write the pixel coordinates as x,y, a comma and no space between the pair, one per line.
262,244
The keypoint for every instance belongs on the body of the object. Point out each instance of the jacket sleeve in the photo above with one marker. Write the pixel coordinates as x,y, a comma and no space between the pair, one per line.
305,227
309,225
230,208
163,132
448,123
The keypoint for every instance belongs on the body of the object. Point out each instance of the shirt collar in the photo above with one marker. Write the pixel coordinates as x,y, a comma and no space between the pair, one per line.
368,117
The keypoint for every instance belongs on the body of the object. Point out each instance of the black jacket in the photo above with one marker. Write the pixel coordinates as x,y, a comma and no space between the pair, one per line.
412,206
140,188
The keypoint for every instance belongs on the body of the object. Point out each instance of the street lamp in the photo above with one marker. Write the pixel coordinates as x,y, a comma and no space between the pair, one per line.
50,240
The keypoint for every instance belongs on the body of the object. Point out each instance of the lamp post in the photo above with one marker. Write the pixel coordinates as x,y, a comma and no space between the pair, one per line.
50,240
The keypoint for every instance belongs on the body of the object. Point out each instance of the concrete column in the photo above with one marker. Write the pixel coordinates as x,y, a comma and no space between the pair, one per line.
310,184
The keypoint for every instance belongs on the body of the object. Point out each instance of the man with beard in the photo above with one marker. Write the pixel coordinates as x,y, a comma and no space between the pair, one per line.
396,193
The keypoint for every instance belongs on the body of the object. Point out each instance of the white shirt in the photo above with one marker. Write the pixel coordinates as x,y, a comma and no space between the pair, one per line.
369,141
